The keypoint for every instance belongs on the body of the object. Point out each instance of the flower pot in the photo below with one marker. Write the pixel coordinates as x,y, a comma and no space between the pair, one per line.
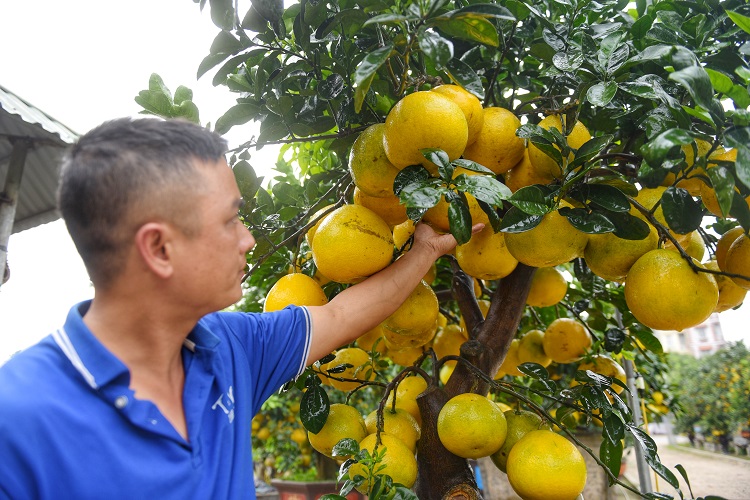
298,490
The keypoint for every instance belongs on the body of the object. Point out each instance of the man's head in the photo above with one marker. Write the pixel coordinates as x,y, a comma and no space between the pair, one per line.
125,173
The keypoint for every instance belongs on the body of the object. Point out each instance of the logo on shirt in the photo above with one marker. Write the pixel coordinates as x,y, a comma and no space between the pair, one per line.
226,403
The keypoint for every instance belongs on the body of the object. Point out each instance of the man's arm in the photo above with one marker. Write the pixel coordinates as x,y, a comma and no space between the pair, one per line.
362,307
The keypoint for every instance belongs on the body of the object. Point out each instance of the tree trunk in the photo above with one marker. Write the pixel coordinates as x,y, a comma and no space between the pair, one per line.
443,475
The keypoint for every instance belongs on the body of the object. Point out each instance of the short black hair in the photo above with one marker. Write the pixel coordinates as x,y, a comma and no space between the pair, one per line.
124,166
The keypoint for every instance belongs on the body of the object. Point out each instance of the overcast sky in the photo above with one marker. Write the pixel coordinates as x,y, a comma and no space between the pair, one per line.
82,62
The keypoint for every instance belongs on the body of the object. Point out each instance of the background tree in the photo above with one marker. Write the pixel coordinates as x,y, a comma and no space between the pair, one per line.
661,88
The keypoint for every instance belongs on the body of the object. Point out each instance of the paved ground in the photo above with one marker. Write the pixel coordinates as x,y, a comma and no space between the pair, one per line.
709,473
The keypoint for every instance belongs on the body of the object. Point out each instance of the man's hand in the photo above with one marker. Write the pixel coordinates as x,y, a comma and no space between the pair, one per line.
438,244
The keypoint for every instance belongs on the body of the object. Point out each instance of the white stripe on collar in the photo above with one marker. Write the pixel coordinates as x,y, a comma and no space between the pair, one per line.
63,341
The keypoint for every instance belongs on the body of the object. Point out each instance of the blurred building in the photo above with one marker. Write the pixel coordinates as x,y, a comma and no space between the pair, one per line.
698,341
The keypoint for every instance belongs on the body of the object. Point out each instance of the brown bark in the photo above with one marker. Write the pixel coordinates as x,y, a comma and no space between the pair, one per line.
443,475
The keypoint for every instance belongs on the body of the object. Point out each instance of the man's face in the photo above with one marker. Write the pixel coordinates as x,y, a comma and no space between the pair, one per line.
212,261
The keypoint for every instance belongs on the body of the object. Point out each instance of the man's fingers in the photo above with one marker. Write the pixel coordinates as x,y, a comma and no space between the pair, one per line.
477,227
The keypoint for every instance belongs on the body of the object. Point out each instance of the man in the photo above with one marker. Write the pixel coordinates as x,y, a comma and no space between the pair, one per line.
147,391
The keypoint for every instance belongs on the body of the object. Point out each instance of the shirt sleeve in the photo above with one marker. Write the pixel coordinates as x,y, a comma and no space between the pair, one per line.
276,344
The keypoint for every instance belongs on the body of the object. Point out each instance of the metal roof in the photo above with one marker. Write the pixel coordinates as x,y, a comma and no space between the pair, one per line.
49,137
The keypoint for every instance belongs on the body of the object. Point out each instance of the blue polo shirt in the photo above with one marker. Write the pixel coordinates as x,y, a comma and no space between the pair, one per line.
70,427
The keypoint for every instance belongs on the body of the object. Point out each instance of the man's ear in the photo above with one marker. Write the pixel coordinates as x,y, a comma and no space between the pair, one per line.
153,243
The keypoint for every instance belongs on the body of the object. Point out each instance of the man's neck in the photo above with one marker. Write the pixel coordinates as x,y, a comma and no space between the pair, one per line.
148,340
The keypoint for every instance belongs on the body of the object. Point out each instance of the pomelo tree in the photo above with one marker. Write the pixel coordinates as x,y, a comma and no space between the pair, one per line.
661,91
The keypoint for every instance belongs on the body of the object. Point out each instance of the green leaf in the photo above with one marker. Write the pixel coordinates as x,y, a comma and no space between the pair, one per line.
155,102
600,94
610,453
473,166
741,212
743,22
468,26
531,200
682,213
465,76
608,197
655,151
238,114
271,10
720,82
723,184
437,48
345,448
629,227
439,158
589,150
331,87
487,10
409,175
587,222
420,195
649,448
459,219
222,13
517,221
484,187
182,94
494,219
697,82
314,407
649,341
739,138
247,180
361,92
389,18
371,63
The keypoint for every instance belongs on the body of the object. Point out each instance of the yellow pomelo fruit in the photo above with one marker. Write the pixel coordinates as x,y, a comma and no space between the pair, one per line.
437,216
299,436
402,232
446,371
343,421
301,261
511,362
388,207
297,289
471,426
373,339
730,294
566,340
399,424
664,293
484,307
548,287
406,396
531,349
692,182
408,339
318,216
398,462
722,246
263,433
448,341
405,357
543,465
611,258
352,243
361,368
738,260
485,255
604,365
469,104
419,312
649,197
695,246
552,242
371,171
503,406
422,120
524,174
711,202
497,147
520,423
543,164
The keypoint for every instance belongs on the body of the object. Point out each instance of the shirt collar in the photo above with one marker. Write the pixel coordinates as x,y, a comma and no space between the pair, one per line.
96,364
